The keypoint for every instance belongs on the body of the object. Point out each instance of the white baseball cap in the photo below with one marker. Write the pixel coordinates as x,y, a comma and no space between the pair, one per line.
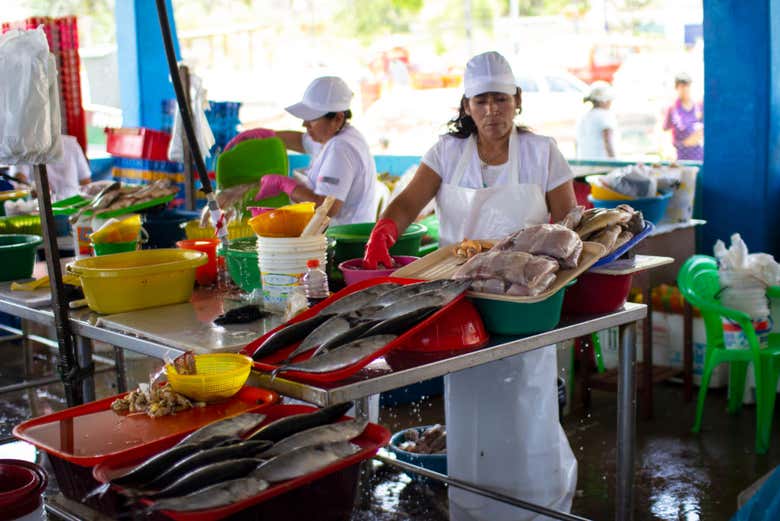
488,72
323,95
600,91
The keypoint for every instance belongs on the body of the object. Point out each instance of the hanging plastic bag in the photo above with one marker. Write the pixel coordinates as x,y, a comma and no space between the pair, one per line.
30,123
198,105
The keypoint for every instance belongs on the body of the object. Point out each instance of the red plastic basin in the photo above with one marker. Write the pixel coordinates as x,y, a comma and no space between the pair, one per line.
21,486
597,293
353,269
206,275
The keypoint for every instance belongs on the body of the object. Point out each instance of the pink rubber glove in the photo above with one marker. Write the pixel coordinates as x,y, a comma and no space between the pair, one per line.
255,133
383,236
272,185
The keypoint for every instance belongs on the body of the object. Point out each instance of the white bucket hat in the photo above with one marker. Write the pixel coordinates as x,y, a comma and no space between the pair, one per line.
323,95
488,72
601,92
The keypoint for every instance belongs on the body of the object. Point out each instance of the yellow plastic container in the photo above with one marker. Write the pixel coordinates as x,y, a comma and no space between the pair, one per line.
599,191
124,230
236,230
287,221
138,279
219,376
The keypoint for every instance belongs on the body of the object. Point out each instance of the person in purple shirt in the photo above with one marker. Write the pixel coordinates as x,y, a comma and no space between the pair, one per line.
686,121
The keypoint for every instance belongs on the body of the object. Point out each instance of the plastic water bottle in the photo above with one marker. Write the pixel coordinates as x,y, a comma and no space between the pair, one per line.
315,282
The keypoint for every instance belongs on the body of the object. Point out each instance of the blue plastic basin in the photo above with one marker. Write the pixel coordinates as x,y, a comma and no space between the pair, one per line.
652,208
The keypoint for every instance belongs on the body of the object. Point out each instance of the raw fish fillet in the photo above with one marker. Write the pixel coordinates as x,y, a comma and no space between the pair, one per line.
514,267
552,240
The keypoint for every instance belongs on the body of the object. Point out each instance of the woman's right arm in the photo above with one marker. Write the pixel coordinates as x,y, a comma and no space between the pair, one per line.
293,140
405,208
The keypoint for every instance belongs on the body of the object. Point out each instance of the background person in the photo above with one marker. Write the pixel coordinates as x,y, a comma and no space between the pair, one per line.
597,128
685,119
66,176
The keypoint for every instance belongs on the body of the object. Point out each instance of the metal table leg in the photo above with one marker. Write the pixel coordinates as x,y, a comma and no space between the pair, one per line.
121,374
84,358
361,408
626,419
27,348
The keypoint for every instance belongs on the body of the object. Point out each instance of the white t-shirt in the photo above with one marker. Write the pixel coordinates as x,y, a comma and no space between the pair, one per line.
344,168
64,175
590,137
541,163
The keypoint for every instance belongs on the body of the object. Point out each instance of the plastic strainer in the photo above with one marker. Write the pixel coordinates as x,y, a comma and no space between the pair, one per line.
219,376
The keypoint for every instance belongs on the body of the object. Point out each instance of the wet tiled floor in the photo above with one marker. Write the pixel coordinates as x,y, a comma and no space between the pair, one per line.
679,475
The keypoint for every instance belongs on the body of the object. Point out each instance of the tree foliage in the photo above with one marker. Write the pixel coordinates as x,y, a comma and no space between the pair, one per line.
96,17
368,18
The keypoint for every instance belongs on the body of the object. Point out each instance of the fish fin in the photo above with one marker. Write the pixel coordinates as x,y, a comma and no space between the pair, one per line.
97,491
278,370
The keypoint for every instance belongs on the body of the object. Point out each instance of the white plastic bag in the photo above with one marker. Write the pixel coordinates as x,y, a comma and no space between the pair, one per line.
30,123
745,276
198,104
634,181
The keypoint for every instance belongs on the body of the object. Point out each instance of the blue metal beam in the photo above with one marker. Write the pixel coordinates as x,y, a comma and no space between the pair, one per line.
143,71
741,188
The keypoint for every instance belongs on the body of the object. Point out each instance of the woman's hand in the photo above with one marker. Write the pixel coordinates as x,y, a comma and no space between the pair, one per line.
383,236
272,185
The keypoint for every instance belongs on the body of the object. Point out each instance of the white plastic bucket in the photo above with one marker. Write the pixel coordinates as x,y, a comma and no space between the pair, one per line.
282,264
734,337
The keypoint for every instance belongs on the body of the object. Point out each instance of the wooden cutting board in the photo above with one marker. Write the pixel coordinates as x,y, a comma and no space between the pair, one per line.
442,264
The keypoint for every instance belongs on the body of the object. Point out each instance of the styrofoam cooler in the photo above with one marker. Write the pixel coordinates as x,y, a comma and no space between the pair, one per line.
282,264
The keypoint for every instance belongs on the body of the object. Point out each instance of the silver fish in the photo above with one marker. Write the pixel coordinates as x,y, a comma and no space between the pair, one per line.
335,432
214,496
344,356
437,298
304,460
227,428
106,196
325,332
203,477
358,299
358,331
412,290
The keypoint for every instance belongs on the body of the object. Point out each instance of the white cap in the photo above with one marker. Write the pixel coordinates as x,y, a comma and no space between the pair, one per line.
323,95
601,92
488,72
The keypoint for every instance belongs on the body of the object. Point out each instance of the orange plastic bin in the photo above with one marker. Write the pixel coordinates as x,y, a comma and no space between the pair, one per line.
206,275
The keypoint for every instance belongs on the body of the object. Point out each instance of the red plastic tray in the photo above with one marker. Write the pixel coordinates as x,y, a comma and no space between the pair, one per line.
374,437
271,362
92,433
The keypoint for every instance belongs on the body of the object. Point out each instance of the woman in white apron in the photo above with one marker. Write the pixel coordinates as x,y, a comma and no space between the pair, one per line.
491,178
341,166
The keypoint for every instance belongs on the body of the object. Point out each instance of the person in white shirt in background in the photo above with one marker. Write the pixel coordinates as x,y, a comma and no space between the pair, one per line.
597,127
66,176
341,164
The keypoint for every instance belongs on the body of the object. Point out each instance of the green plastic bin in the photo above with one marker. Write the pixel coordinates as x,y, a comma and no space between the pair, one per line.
351,241
18,254
242,265
107,248
520,318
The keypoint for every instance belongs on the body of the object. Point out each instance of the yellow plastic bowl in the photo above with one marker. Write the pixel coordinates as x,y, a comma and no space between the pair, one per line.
287,221
219,376
138,279
236,230
599,191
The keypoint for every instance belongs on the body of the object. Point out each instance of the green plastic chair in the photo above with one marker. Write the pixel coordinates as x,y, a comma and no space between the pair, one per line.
250,160
699,283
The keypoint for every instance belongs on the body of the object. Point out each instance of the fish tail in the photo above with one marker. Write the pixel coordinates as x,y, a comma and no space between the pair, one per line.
278,370
97,491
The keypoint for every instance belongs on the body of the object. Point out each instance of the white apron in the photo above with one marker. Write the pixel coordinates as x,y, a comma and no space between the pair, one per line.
502,418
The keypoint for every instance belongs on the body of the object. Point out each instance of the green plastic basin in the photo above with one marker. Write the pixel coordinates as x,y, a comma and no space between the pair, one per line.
18,254
107,248
520,318
242,265
351,240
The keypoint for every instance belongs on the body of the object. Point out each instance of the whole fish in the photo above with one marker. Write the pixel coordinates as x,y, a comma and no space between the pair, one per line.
335,432
106,196
227,428
304,460
328,330
412,290
205,457
359,299
437,298
288,336
153,467
344,356
214,496
284,427
203,477
348,336
402,323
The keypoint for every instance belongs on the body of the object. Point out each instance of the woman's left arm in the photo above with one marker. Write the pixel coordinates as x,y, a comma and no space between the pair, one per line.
561,200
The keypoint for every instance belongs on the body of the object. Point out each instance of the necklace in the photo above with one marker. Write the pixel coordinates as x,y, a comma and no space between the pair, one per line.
484,162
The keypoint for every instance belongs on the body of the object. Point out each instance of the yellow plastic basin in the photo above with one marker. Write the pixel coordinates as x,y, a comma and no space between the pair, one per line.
287,221
219,376
599,191
138,279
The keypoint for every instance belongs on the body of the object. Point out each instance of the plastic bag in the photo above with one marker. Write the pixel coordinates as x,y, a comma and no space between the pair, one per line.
30,123
634,181
198,104
745,277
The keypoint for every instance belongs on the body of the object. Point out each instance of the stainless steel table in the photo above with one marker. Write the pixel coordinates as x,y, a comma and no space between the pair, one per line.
380,376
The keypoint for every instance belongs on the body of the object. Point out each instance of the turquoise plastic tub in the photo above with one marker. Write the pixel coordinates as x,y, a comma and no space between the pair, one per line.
653,208
521,318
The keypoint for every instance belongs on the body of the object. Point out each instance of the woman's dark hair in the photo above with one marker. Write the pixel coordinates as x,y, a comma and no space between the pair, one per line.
347,116
463,125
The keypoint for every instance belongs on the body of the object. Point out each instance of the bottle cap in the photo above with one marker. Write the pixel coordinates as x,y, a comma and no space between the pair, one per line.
312,263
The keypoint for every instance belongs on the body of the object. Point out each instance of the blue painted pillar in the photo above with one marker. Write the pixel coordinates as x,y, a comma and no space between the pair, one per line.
741,181
143,71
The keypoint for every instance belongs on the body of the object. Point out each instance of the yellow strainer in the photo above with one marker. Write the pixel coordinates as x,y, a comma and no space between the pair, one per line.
219,376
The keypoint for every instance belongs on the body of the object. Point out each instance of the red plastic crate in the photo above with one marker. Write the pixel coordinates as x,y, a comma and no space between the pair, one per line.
137,143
